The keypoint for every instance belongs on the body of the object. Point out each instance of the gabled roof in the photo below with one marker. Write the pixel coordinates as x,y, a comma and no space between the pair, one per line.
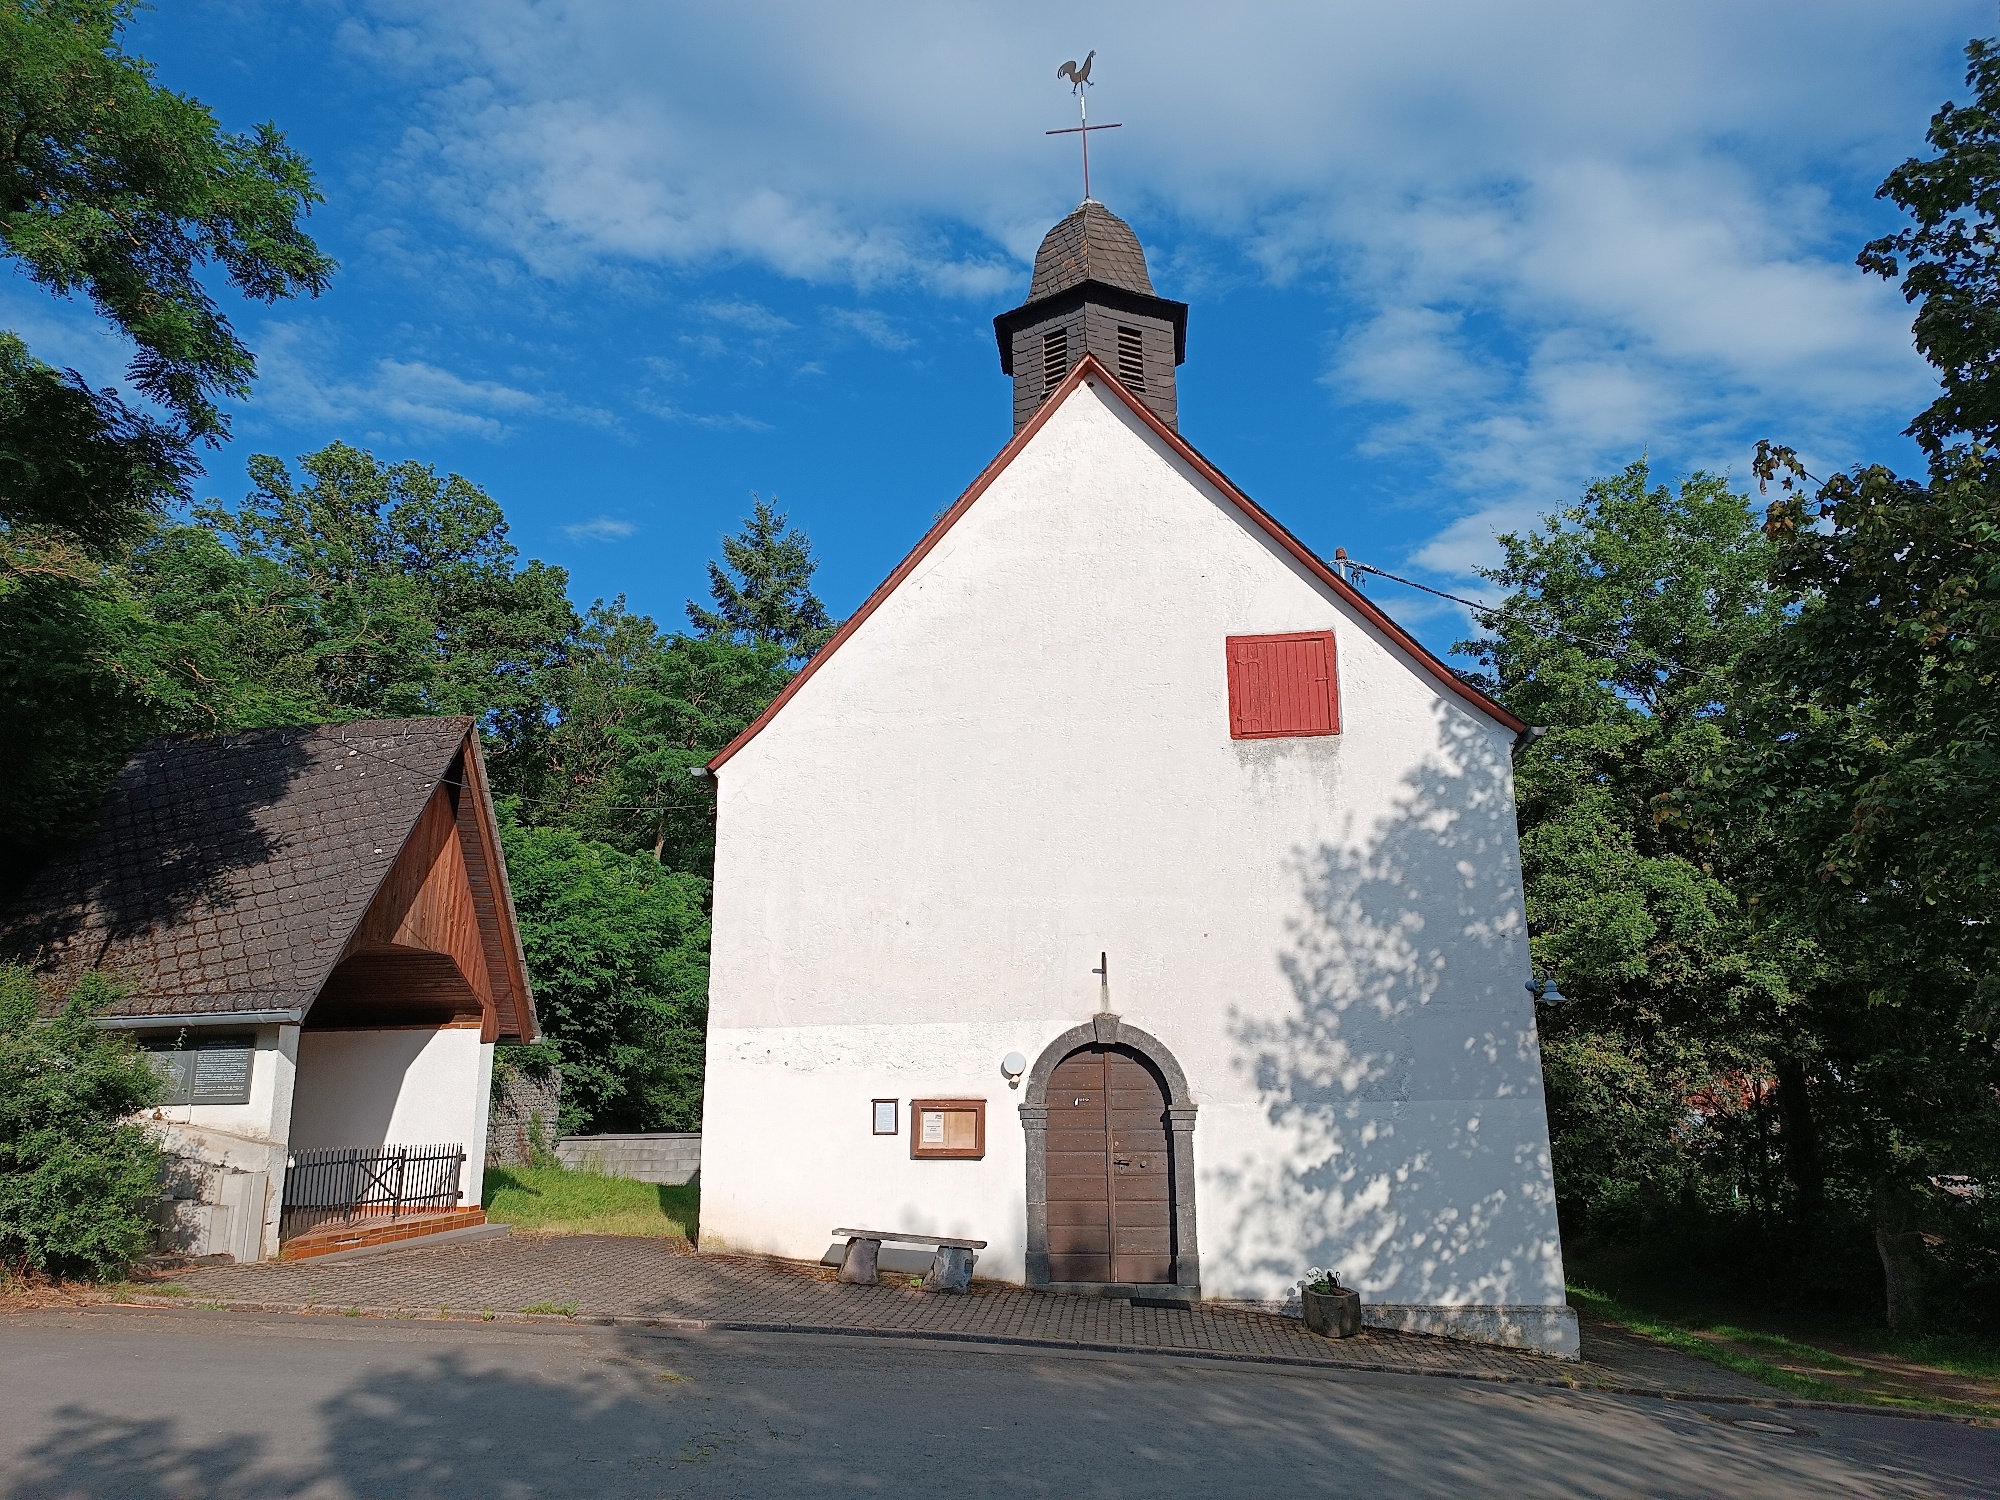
1088,368
226,875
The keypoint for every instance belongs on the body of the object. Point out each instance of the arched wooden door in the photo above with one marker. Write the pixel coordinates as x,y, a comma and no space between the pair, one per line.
1110,1170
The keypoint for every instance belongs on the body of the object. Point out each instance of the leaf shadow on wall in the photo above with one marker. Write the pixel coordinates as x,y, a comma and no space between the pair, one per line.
1405,1080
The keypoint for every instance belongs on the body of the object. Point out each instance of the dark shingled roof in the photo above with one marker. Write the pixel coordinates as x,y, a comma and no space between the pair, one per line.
225,875
1092,244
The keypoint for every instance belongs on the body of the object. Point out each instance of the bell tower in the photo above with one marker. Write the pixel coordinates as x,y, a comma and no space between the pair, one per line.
1090,292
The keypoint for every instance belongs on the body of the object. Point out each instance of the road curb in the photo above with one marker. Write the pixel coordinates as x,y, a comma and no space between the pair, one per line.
1024,1341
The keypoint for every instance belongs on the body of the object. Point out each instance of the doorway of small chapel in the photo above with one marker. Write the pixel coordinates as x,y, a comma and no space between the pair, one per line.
1110,1170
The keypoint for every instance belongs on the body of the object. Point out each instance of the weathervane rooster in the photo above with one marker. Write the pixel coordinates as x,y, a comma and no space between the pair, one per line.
1079,80
1079,77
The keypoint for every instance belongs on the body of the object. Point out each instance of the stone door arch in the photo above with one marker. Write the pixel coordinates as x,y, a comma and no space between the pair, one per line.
1108,1031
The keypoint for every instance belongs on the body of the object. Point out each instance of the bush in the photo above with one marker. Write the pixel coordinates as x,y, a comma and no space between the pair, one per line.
78,1179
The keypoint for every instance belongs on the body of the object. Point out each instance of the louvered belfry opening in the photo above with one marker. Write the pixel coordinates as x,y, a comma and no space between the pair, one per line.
1091,293
1132,358
1055,359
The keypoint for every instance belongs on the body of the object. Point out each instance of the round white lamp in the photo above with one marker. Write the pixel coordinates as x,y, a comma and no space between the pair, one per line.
1013,1065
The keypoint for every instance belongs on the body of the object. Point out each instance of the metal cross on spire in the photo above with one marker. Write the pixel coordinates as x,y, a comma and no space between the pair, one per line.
1078,75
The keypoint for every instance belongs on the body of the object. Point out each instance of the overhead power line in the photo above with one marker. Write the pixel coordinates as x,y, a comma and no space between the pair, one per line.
1489,612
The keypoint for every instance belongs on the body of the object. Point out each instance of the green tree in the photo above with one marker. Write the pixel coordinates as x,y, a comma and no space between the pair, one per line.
403,591
123,192
617,951
1873,739
87,670
1876,743
1622,632
1948,258
689,701
78,1179
762,588
637,711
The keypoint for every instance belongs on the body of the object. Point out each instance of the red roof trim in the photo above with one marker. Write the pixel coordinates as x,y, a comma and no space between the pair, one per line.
1089,368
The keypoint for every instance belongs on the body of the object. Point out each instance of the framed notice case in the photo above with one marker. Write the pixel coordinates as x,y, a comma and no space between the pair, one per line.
947,1129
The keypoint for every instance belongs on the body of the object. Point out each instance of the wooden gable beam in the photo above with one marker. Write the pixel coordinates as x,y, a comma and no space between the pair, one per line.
499,929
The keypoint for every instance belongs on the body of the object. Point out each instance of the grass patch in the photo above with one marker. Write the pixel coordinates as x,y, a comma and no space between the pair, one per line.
559,1309
1794,1365
1961,1354
1689,1342
555,1200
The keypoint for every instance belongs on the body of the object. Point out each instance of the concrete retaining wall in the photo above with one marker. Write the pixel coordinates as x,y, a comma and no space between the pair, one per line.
669,1156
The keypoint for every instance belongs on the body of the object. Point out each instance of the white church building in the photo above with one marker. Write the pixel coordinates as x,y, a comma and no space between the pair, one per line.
1123,888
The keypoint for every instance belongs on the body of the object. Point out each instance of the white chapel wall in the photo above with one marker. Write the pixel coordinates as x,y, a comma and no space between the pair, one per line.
1023,759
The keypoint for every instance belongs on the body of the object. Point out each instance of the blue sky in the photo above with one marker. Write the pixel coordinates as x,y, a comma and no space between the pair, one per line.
623,264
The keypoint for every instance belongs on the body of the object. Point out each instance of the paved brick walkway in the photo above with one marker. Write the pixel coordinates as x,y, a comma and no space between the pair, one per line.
650,1280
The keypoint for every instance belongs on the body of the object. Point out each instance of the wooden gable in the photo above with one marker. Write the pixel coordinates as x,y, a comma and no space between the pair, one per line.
437,944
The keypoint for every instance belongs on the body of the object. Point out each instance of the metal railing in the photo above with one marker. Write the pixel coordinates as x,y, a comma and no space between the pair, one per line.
346,1183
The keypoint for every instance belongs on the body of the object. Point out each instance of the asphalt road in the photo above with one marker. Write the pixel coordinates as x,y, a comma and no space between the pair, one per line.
121,1402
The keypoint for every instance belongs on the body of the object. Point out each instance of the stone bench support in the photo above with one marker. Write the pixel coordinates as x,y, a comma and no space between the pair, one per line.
951,1266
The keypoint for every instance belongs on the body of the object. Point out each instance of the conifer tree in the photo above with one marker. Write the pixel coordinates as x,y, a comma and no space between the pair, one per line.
763,588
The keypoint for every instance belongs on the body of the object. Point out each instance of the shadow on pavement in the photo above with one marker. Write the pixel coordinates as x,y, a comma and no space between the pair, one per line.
351,1408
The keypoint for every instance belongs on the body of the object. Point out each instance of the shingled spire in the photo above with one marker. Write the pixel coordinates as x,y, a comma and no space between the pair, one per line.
1091,292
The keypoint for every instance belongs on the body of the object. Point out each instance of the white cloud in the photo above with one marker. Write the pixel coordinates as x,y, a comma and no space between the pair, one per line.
1555,233
877,328
392,396
600,529
744,314
728,421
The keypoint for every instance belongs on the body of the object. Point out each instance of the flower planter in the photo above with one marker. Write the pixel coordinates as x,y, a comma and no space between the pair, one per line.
1333,1315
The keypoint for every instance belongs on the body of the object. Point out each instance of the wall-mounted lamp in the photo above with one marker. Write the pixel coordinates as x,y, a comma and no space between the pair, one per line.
699,773
1012,1066
1545,992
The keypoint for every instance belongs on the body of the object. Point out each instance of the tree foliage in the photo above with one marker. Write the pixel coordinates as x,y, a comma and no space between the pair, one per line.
119,191
638,710
1949,257
132,196
87,670
1623,632
78,1179
617,951
1819,806
405,595
762,588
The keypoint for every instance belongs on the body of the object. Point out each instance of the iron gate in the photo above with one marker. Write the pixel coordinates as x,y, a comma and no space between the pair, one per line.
345,1183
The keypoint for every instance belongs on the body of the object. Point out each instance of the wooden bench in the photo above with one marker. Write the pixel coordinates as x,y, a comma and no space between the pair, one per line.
951,1265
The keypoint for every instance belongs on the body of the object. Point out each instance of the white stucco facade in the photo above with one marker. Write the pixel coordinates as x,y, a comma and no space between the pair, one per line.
1022,759
400,1086
227,1187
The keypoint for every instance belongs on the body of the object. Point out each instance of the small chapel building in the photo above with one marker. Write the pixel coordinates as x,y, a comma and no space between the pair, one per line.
316,949
1125,889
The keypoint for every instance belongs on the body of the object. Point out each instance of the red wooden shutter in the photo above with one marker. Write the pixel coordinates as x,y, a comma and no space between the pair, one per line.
1282,685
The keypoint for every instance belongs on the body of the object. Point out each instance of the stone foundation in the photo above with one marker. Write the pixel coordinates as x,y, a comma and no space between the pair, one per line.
525,1105
1546,1330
